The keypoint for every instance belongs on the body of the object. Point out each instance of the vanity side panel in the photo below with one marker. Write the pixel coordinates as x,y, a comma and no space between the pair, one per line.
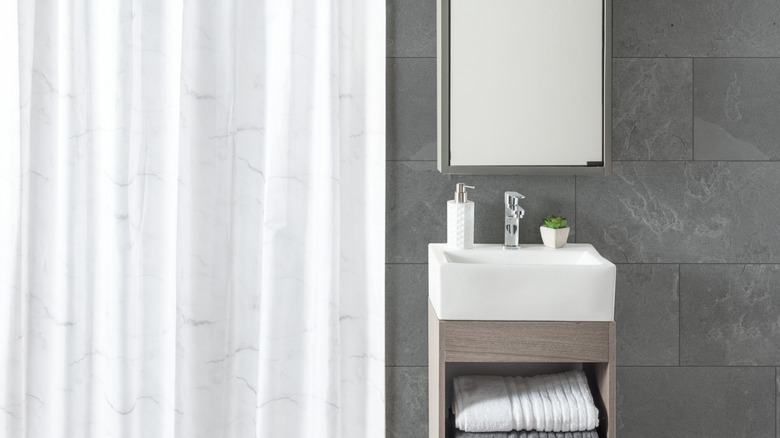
607,384
531,341
604,388
436,406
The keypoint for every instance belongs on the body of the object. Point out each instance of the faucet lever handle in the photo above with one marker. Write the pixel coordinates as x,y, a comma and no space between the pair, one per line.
512,199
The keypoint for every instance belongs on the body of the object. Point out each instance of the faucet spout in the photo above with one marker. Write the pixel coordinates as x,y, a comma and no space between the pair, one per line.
513,212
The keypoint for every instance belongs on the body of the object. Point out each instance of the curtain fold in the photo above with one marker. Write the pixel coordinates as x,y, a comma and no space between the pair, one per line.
192,228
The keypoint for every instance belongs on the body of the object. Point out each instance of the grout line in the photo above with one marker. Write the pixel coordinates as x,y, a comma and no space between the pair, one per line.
640,366
698,366
777,395
650,57
406,366
699,263
698,161
632,263
407,263
696,57
410,161
726,263
614,161
410,57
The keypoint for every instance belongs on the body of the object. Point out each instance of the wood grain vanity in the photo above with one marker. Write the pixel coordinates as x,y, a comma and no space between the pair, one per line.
458,347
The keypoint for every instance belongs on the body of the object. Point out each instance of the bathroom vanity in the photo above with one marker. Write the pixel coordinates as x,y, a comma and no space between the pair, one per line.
524,312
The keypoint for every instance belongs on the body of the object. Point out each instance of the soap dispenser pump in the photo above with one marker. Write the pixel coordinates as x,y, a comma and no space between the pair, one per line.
460,219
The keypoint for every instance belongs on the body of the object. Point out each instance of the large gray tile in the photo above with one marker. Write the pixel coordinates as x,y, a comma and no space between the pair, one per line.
682,212
407,402
696,28
411,109
646,315
730,314
417,196
673,402
411,28
652,109
737,109
406,315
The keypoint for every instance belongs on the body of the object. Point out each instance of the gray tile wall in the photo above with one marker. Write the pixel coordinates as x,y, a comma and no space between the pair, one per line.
691,214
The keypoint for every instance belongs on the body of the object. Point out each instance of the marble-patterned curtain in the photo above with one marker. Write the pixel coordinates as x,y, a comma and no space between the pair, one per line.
192,218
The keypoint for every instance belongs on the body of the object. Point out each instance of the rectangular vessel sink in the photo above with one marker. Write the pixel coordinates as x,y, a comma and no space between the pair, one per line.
533,283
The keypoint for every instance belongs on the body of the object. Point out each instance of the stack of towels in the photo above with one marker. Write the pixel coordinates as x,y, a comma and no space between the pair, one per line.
547,406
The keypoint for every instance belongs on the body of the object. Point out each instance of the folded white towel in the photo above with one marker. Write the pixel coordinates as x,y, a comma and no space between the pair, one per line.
548,403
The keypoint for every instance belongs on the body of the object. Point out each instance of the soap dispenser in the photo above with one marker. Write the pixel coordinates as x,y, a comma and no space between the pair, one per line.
460,219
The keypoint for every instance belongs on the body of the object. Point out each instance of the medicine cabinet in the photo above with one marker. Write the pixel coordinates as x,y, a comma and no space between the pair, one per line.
524,86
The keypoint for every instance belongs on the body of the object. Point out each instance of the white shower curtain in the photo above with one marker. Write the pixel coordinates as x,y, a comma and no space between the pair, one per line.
192,218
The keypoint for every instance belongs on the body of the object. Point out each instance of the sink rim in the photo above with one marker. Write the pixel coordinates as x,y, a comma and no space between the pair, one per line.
571,250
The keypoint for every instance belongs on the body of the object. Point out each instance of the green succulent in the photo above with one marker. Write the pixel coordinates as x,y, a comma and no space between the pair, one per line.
555,222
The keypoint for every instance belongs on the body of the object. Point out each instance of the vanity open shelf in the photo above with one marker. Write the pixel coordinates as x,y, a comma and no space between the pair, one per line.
518,348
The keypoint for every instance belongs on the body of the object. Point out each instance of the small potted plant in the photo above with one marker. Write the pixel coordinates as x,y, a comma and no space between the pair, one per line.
554,231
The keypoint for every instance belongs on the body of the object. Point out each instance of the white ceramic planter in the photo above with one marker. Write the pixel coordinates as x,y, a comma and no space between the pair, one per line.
554,238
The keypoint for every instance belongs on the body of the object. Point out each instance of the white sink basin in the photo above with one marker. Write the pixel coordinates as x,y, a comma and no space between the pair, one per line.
533,283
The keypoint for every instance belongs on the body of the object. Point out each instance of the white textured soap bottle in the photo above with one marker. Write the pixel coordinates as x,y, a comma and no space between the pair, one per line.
460,219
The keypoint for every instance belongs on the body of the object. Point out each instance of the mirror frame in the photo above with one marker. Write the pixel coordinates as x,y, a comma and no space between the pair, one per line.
443,107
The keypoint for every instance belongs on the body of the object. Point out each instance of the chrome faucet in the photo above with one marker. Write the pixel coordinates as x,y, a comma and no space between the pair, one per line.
513,212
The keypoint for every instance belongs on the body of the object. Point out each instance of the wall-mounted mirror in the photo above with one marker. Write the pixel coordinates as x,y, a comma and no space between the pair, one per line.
524,86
